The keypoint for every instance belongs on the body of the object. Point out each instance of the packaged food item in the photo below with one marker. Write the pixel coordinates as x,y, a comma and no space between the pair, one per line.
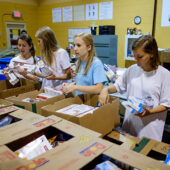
109,73
10,75
53,91
167,161
77,110
29,100
44,96
6,121
45,70
106,165
30,68
34,148
137,105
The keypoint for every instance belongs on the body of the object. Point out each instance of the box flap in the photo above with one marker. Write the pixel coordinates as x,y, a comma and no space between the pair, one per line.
23,128
133,159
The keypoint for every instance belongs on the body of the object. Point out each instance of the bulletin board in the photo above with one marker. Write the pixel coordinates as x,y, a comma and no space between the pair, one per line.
73,31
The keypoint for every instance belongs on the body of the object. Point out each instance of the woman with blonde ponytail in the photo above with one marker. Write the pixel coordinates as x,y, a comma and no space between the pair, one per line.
90,75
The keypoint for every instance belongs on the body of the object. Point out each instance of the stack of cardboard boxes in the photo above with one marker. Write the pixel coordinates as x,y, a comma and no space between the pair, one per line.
83,142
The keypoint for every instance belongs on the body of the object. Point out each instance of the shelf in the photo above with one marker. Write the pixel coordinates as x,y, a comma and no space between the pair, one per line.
129,39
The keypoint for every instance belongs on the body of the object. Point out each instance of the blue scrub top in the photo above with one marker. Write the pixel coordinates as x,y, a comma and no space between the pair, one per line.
95,74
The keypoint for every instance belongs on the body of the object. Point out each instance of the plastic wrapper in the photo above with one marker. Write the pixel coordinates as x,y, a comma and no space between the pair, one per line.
44,69
34,148
6,121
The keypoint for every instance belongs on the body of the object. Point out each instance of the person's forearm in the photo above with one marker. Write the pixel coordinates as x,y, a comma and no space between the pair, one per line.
158,109
63,77
95,89
39,75
31,77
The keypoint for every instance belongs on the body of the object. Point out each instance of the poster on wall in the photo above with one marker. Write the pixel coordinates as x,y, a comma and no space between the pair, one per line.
67,14
165,20
73,31
91,12
79,13
56,14
105,10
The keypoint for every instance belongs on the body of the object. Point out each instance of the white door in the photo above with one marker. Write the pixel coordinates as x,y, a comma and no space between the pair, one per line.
13,30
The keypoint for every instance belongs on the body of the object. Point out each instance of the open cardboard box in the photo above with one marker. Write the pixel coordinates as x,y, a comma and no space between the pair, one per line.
6,108
152,148
164,56
77,130
122,139
14,114
50,126
103,120
73,154
34,107
24,85
24,128
126,159
5,103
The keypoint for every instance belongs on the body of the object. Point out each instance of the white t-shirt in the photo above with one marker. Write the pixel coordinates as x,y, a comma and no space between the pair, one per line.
19,59
61,62
155,85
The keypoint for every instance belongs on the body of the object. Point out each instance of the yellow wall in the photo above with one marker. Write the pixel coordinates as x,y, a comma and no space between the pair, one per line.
29,17
39,14
124,12
162,34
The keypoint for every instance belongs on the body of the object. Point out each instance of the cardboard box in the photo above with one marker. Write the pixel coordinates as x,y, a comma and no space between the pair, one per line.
6,89
63,125
25,132
70,155
124,140
152,148
33,107
19,130
77,130
8,109
164,55
17,114
126,159
103,120
26,115
5,103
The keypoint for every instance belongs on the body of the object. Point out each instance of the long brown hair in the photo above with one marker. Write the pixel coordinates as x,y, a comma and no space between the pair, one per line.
50,43
88,39
149,45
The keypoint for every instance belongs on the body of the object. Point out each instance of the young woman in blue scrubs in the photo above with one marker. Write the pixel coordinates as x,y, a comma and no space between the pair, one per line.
90,75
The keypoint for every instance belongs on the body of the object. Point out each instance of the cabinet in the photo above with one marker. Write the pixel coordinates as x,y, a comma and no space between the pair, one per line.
129,39
106,48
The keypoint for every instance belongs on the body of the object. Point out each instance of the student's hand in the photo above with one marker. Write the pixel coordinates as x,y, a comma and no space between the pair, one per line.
22,71
4,72
51,77
68,88
104,96
145,112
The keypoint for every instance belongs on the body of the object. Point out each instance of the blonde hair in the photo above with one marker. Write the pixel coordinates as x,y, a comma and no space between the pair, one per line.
50,43
88,39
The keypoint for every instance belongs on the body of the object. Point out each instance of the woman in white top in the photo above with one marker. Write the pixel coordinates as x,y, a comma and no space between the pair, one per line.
55,57
26,56
146,79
